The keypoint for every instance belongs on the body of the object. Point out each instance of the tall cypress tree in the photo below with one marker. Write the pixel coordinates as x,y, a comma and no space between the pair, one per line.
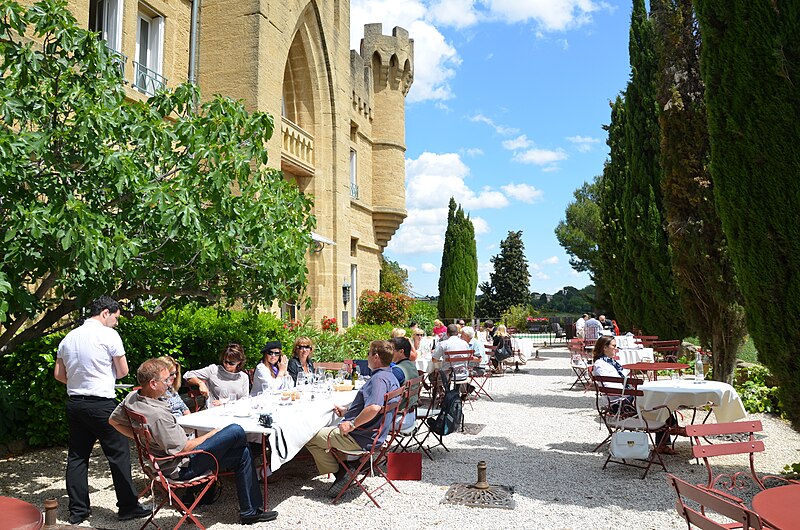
510,279
458,277
611,238
702,269
651,298
750,64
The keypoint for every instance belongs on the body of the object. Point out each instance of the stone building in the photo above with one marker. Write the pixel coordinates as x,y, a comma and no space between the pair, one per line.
339,114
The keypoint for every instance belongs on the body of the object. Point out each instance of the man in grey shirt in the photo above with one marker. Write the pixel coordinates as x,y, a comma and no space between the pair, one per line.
90,359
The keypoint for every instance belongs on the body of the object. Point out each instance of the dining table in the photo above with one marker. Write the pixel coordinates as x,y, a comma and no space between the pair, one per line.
294,422
778,507
19,515
676,393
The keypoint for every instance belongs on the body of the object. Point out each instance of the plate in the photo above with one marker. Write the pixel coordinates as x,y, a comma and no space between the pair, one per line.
242,415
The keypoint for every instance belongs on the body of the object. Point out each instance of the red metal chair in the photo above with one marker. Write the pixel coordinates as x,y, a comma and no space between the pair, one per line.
457,364
152,468
422,431
631,420
749,446
374,458
579,362
666,351
739,516
408,404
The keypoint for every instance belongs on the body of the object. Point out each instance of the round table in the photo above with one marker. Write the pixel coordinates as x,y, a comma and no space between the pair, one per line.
686,393
20,515
654,367
778,506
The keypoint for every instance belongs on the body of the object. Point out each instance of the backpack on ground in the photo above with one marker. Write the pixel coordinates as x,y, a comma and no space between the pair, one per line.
450,416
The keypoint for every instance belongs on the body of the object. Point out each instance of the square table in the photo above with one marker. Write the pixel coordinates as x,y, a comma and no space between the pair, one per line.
692,394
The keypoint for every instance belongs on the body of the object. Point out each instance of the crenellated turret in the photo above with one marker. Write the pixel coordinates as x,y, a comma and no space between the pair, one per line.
390,59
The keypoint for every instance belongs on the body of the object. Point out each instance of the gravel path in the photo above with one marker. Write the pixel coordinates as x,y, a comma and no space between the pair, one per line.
537,438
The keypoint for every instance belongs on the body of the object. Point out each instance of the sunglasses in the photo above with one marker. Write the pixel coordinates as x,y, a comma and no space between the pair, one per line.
303,347
274,352
226,362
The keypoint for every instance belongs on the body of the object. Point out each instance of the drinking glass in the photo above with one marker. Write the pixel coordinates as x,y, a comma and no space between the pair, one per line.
301,379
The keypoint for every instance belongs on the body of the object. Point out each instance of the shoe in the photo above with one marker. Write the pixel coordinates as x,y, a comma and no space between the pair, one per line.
137,513
338,484
78,519
259,517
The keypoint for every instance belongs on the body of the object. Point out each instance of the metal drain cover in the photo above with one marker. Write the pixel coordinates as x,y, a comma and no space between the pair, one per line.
481,494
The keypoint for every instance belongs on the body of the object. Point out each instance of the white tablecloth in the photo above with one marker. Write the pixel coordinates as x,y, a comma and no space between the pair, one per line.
688,393
525,347
298,422
634,355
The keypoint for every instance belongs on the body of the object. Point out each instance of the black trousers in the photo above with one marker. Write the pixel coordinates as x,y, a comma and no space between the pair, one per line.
87,417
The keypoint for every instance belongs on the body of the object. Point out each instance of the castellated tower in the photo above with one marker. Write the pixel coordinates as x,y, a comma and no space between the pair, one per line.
391,60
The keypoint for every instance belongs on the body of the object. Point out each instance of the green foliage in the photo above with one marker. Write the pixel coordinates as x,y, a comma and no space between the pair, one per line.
134,199
516,316
755,393
704,276
380,308
423,313
510,281
393,278
579,230
568,300
458,276
486,302
792,471
750,70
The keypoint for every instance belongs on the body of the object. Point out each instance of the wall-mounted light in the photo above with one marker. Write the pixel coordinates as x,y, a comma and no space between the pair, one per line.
345,292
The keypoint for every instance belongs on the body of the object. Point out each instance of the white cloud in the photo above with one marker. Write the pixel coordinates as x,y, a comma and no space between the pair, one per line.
484,270
550,169
583,143
540,276
429,268
408,268
473,151
480,225
499,129
520,142
540,157
549,15
552,260
456,13
523,192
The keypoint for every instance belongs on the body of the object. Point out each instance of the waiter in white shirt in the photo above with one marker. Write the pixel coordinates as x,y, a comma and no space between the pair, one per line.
90,360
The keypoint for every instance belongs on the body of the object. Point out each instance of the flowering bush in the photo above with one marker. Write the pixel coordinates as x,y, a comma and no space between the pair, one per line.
329,324
379,308
538,320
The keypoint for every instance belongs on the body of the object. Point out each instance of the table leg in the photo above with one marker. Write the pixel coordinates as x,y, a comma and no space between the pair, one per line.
264,468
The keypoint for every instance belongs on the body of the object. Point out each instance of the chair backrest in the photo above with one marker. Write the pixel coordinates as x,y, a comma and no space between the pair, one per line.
458,361
667,350
411,398
143,440
700,432
333,366
392,417
710,502
645,340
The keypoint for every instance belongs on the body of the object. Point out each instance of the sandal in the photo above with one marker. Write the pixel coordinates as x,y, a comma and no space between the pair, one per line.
666,450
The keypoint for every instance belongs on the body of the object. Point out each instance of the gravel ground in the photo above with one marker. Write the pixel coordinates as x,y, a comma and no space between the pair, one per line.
538,438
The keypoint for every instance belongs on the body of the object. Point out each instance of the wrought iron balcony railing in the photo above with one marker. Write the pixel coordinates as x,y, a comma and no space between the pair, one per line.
146,80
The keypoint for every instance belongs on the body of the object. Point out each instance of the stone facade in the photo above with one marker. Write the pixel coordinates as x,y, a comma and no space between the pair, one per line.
339,114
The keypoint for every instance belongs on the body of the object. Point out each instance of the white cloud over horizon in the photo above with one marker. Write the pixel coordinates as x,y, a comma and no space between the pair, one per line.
583,143
552,260
429,268
540,157
523,192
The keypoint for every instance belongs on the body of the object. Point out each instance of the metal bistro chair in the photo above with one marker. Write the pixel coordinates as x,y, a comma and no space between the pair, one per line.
408,405
579,362
457,364
374,458
151,466
422,430
739,516
745,430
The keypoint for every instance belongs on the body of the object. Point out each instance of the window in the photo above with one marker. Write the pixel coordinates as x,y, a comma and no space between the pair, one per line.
105,17
353,174
354,291
149,50
353,247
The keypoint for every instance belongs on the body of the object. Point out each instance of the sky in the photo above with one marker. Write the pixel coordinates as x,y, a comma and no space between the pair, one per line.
505,115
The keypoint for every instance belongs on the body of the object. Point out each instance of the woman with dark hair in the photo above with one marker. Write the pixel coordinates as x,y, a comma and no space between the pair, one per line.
301,358
225,380
272,368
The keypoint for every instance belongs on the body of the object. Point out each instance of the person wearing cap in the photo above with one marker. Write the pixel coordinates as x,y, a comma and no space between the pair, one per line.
272,368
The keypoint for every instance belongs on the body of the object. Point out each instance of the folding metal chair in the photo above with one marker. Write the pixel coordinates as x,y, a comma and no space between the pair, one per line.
666,351
151,466
408,405
374,458
739,516
579,362
438,385
457,363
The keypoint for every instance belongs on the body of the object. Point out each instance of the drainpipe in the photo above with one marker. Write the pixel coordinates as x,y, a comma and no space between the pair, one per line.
193,42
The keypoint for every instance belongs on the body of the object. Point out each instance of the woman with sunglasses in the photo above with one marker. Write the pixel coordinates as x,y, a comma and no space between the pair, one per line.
225,380
416,342
171,396
272,368
301,358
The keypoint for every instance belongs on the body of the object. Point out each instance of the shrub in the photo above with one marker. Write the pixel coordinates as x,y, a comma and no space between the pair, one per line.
423,313
380,308
516,316
754,391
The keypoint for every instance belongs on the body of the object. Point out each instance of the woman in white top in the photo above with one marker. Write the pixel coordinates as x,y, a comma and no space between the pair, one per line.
271,370
225,380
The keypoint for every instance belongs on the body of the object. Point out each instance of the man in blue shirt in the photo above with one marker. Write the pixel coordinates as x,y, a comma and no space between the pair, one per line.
354,432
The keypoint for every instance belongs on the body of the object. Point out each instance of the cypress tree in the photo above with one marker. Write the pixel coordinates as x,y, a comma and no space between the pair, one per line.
458,276
510,279
703,272
750,64
651,300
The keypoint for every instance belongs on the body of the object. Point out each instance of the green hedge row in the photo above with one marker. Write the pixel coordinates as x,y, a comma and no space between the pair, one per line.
32,402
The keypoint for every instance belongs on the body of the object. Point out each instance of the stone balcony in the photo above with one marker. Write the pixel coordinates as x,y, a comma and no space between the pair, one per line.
297,149
385,222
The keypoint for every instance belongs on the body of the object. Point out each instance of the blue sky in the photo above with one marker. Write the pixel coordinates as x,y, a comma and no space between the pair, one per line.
505,115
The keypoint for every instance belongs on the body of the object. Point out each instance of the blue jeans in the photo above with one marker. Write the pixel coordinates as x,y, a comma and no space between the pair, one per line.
229,446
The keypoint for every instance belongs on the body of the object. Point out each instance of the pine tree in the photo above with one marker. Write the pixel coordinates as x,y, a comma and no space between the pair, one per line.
510,279
458,277
751,72
650,296
702,269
